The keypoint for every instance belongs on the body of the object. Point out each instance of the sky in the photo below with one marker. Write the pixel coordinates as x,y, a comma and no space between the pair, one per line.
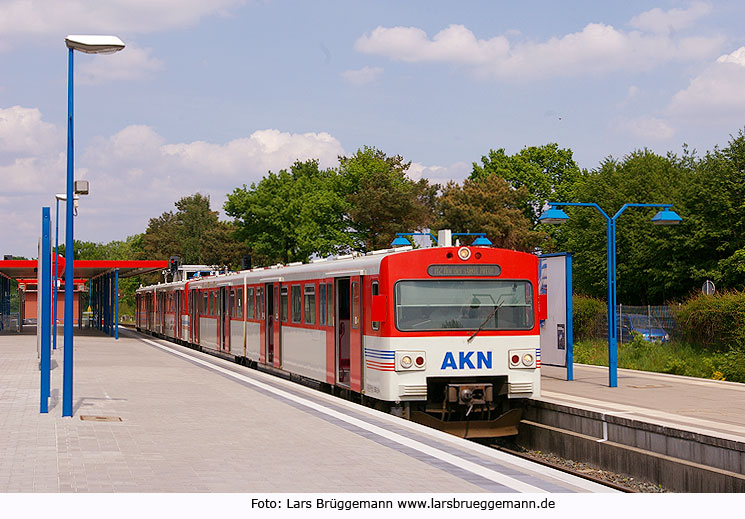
209,96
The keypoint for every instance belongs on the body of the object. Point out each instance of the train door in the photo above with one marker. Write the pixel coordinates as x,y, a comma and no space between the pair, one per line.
348,333
177,318
272,318
195,302
224,320
280,306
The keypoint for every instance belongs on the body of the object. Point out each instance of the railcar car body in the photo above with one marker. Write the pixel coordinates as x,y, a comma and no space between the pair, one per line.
447,335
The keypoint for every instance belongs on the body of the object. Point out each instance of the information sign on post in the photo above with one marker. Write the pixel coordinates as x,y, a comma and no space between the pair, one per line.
555,281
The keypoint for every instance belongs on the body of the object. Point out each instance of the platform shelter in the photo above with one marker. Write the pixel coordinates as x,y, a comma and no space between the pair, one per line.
96,285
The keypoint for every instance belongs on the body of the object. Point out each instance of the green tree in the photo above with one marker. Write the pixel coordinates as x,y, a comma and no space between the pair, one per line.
650,264
547,172
194,233
382,200
714,223
489,205
291,215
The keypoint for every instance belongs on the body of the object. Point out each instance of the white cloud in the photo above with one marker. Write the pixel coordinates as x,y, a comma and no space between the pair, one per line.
23,131
715,95
665,22
129,64
45,17
597,48
456,172
646,128
363,76
135,174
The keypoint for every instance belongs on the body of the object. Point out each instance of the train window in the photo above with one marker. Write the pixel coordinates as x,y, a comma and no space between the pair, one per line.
467,304
260,302
205,304
239,303
232,303
355,305
374,291
283,308
329,304
296,304
310,304
250,306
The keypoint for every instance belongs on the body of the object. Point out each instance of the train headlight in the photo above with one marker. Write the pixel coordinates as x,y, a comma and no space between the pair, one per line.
464,253
523,359
410,360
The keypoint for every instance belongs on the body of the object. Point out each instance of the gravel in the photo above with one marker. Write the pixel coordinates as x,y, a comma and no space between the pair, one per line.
633,484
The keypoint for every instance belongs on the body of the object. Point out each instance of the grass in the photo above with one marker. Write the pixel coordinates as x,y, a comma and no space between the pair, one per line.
677,358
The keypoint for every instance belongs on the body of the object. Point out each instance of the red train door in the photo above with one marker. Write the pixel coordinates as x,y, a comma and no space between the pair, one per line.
348,330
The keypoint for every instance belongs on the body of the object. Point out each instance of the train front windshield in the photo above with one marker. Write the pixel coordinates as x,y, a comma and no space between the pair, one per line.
425,305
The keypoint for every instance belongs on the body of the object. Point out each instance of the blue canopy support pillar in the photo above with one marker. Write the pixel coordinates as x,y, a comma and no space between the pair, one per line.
44,321
116,304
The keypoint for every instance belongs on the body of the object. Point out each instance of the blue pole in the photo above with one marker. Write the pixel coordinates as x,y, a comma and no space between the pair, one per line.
116,304
612,342
570,319
69,251
54,292
43,319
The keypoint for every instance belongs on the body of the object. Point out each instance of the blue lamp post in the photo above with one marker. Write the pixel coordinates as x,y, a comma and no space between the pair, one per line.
665,217
88,44
401,241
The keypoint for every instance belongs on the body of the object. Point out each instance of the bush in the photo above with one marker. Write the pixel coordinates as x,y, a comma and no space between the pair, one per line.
729,365
716,322
590,317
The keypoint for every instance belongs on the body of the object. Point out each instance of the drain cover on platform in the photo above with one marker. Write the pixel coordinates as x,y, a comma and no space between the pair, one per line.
93,418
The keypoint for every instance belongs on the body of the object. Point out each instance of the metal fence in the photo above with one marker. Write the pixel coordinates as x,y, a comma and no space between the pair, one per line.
652,322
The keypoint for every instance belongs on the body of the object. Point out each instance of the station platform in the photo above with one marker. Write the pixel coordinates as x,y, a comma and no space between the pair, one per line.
151,416
685,434
714,407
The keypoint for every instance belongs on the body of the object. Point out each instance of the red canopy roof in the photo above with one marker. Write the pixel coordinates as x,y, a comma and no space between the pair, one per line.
83,269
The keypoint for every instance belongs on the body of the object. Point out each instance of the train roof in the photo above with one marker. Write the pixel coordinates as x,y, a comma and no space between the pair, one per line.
349,264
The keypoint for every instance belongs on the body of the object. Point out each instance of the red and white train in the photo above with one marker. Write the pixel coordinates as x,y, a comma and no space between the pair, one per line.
446,336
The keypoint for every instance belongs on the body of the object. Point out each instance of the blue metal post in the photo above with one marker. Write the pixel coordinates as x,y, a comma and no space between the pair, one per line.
109,305
43,319
54,290
570,319
116,304
69,251
612,339
610,241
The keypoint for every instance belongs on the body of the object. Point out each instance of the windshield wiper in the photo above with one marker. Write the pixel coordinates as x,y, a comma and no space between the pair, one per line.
486,321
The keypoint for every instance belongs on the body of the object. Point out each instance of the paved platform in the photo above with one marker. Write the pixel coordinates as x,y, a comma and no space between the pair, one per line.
710,407
194,423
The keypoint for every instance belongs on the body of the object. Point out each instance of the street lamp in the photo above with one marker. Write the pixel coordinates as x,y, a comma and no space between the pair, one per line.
401,241
665,217
88,44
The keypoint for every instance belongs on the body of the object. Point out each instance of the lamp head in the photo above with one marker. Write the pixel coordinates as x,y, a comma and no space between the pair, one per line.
94,44
400,241
482,241
553,216
666,217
